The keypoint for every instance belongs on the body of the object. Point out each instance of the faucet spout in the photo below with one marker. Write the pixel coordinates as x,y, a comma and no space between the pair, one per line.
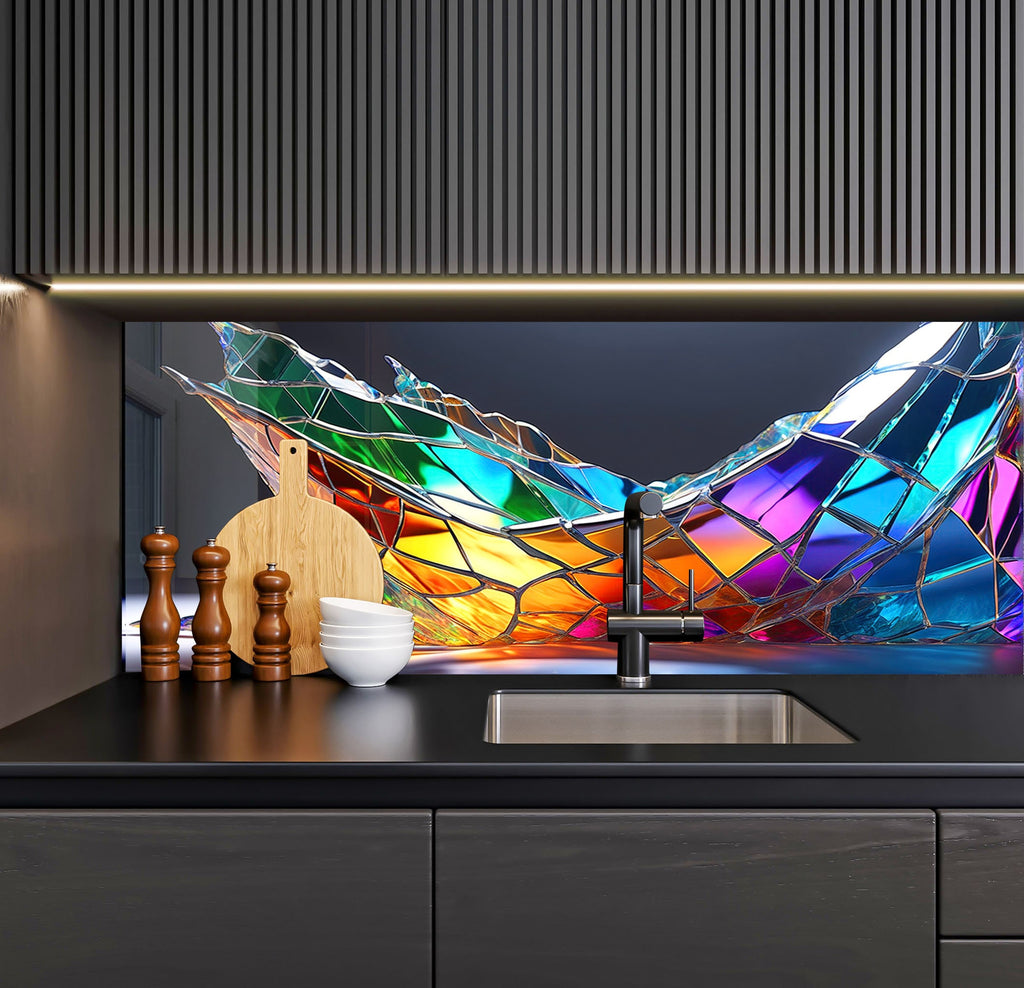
633,627
641,505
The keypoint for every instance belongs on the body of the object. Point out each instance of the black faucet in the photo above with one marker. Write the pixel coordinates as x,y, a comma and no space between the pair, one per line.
633,627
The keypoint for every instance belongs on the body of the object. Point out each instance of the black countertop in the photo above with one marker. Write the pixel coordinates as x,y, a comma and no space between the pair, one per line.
922,741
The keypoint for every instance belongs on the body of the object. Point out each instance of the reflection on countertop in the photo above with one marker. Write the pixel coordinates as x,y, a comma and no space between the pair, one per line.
309,720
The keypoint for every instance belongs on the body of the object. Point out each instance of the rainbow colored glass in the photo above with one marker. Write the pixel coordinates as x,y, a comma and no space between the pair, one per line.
892,515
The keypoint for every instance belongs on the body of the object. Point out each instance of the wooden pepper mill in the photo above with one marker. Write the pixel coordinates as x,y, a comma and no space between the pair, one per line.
161,623
211,626
271,652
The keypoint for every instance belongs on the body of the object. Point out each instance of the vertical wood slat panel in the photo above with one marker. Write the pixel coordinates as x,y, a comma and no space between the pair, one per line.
26,137
601,84
48,126
518,136
156,164
12,119
167,16
142,219
1017,186
405,231
945,141
346,142
231,172
572,138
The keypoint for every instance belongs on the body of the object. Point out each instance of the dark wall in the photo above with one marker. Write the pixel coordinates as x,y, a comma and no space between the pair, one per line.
646,400
60,500
60,485
552,136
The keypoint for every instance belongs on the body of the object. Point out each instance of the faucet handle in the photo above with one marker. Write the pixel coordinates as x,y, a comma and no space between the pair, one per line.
689,598
646,504
650,503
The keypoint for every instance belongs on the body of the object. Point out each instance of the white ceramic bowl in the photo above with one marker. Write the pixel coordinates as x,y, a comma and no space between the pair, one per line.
333,628
369,641
342,610
363,666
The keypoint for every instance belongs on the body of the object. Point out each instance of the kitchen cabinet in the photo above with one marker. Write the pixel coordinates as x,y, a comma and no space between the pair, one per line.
981,963
982,869
981,895
314,137
254,898
600,898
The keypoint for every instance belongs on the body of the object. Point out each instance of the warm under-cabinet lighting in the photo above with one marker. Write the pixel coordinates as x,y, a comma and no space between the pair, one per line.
552,286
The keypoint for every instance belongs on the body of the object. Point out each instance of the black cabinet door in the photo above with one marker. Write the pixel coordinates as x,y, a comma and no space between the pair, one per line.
250,898
597,898
981,854
981,963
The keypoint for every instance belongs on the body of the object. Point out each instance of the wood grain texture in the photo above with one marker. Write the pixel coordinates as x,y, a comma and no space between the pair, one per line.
160,623
716,899
981,873
261,899
271,645
981,963
323,549
211,626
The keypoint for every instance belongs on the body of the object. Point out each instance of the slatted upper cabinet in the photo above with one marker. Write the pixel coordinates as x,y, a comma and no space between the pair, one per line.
528,136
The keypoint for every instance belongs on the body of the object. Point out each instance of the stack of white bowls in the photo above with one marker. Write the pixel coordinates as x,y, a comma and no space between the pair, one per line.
362,642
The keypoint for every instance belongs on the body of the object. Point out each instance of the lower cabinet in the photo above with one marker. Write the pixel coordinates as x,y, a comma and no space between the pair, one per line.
503,899
981,897
605,898
981,963
165,899
982,868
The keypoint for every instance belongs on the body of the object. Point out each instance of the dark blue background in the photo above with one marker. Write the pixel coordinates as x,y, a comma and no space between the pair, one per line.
648,400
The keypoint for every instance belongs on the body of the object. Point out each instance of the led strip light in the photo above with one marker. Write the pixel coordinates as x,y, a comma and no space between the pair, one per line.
1012,286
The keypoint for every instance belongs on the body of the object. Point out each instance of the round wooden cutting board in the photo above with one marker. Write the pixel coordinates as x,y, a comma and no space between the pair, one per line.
323,548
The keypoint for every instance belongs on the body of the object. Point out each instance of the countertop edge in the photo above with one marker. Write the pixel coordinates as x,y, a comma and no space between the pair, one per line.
526,770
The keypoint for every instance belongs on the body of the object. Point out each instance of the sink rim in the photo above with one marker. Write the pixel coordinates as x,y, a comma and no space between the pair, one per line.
645,691
493,718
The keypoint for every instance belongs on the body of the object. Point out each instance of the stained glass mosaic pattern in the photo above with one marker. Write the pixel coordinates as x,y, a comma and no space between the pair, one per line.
893,514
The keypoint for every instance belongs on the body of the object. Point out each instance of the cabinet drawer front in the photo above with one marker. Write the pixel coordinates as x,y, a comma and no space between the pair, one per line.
981,963
981,873
717,899
165,899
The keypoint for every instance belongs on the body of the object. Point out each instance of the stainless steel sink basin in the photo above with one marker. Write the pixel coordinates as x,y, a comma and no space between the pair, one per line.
655,717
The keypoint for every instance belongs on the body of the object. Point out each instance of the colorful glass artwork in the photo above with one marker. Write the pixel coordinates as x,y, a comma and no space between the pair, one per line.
893,514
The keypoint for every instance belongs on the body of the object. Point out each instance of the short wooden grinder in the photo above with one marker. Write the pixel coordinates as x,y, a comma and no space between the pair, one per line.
271,650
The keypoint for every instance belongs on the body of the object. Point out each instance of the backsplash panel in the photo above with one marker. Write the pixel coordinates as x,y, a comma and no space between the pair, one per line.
892,514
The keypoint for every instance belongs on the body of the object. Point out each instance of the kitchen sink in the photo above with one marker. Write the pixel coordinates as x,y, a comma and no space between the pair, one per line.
655,717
